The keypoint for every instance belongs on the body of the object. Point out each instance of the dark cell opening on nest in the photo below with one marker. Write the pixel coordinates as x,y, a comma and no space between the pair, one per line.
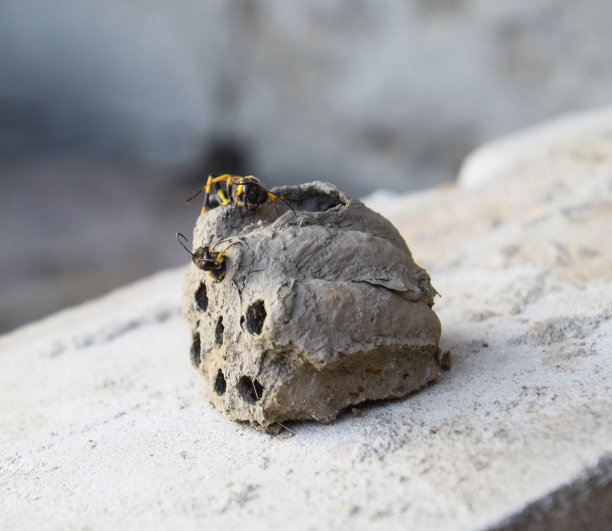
250,390
219,329
195,350
201,298
220,384
310,199
255,316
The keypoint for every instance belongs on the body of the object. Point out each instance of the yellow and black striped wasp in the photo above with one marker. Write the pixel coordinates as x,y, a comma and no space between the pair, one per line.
247,191
206,258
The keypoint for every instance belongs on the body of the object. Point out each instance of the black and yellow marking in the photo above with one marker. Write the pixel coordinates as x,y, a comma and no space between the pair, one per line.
246,191
206,259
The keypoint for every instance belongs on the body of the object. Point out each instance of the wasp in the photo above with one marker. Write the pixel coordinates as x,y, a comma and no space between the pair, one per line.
247,191
206,259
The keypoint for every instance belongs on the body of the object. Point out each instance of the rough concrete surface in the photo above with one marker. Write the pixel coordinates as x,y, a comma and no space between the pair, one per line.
317,310
105,424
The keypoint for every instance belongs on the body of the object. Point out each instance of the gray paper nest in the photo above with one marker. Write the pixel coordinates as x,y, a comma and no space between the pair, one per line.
318,310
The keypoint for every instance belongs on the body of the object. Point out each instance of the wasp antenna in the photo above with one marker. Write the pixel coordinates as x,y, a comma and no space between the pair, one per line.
180,236
226,240
288,205
217,243
273,198
232,244
195,195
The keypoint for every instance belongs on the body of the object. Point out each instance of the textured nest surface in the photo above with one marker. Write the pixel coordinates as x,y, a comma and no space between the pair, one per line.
319,309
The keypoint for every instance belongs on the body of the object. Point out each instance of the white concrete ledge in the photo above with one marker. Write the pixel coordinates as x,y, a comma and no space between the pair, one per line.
500,157
105,425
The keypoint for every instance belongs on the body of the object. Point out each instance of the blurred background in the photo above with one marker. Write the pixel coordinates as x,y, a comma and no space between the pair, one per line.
113,112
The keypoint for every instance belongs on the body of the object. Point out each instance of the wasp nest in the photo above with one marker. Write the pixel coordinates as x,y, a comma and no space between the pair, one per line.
317,309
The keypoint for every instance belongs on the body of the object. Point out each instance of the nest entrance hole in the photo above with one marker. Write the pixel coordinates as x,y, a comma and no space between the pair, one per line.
195,350
201,298
250,390
220,385
219,329
310,198
255,317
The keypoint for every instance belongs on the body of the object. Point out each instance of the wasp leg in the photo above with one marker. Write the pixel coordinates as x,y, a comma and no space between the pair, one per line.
228,188
224,200
206,194
218,272
222,253
208,187
239,191
220,260
224,197
225,177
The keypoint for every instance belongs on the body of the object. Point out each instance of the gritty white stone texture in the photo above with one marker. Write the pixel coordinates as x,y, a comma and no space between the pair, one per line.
105,423
499,158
